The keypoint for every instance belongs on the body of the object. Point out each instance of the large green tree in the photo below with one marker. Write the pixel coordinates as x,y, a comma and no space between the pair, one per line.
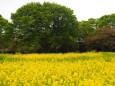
87,27
6,34
106,21
46,27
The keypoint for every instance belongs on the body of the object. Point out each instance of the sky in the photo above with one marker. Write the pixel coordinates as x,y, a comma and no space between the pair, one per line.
83,9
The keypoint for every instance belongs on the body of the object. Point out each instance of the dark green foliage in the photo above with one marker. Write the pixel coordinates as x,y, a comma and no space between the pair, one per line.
107,21
87,27
91,33
46,27
6,34
49,27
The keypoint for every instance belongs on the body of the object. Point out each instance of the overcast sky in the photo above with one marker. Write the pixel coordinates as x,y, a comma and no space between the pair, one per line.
83,9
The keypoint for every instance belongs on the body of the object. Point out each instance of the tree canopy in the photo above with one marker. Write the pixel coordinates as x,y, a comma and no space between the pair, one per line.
107,21
6,34
45,27
50,28
102,40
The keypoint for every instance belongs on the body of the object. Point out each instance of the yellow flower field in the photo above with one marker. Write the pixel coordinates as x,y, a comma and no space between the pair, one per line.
70,69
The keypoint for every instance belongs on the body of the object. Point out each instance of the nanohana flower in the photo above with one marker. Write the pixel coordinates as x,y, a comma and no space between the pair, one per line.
70,69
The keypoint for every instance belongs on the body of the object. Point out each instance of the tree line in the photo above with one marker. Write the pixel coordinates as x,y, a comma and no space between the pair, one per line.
52,28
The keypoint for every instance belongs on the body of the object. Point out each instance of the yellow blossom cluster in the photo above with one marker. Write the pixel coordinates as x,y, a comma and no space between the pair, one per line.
70,69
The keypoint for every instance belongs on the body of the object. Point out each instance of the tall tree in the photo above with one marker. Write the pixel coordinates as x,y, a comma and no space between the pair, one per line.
6,33
87,28
107,21
102,40
46,27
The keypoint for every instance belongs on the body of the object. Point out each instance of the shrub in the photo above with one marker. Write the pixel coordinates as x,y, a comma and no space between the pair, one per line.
102,40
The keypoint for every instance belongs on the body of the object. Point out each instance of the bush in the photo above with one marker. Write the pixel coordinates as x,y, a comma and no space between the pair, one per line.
102,40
